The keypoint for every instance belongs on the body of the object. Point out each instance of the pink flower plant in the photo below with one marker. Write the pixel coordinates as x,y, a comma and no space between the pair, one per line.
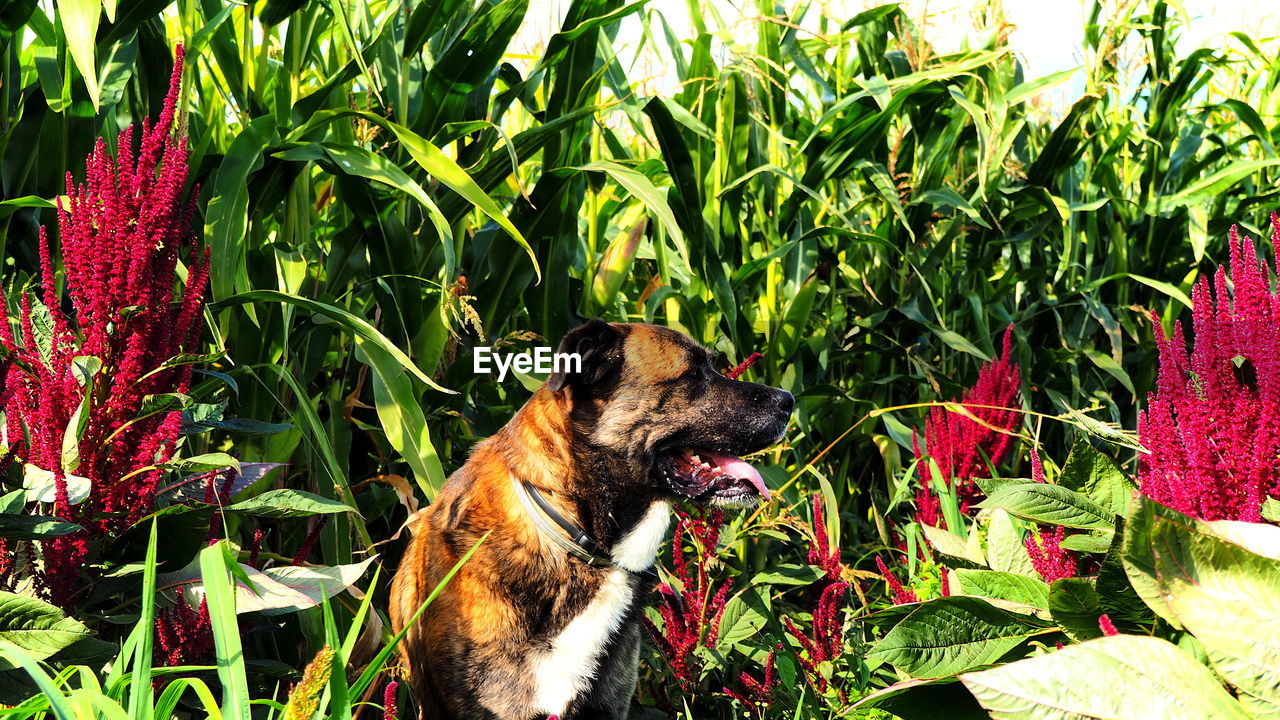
1212,426
92,359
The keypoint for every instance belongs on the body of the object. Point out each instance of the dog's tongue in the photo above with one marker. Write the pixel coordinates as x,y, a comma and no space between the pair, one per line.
739,468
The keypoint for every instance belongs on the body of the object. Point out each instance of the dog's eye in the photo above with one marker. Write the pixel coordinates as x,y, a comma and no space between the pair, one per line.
693,373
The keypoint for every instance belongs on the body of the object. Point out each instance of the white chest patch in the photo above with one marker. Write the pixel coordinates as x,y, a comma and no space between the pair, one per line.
564,671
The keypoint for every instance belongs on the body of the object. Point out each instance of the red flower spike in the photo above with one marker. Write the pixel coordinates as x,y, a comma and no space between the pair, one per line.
1047,555
759,693
390,711
1213,423
1106,626
120,235
901,595
691,617
1037,467
742,366
958,444
821,554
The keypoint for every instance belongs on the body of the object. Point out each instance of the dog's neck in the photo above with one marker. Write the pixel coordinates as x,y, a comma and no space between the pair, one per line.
579,478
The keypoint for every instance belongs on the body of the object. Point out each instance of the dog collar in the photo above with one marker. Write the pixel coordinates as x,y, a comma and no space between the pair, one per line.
551,523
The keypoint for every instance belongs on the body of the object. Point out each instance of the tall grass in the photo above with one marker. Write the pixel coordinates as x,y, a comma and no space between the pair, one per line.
382,191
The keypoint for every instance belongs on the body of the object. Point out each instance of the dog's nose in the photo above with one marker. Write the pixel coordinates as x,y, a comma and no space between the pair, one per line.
786,401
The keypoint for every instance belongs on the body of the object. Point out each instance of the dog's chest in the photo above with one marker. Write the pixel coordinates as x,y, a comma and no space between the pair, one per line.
568,668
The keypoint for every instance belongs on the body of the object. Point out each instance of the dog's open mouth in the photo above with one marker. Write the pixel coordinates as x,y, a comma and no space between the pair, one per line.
713,477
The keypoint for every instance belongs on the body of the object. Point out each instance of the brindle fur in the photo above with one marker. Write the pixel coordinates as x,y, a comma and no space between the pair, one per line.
588,442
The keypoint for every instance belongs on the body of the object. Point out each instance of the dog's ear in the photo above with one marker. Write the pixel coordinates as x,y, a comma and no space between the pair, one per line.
598,344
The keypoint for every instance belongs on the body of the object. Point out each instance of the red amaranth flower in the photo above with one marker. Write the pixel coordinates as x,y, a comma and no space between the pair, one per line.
184,636
1047,555
826,641
960,445
390,711
757,694
1213,423
121,235
1106,626
309,542
691,616
901,595
742,366
821,554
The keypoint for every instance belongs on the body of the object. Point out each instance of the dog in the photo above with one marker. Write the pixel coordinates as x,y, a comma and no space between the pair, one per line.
565,508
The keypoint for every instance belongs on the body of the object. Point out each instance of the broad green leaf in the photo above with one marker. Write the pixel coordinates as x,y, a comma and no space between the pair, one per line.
1090,472
1051,505
1006,551
33,527
205,461
744,616
952,545
255,591
38,628
1074,605
1004,586
951,635
286,503
42,486
921,700
1081,682
1213,585
787,574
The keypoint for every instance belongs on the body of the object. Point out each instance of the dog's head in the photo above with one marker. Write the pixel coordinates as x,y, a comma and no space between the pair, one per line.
651,398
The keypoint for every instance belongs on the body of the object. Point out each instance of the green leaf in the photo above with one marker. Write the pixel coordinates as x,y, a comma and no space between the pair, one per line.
446,170
357,161
1004,586
206,461
744,616
215,563
1005,549
403,419
287,503
1085,543
787,574
35,626
1074,605
643,190
1080,682
952,545
951,635
1088,471
1211,579
1215,184
244,426
80,26
921,700
277,590
358,325
1051,505
34,527
227,219
42,486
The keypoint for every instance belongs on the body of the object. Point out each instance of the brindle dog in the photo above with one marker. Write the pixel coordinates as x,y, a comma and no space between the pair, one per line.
525,630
